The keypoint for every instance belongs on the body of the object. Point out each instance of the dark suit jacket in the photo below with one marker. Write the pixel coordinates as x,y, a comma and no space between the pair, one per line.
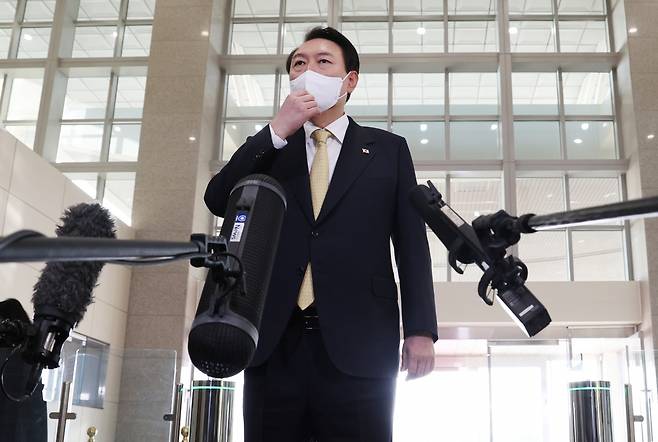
366,205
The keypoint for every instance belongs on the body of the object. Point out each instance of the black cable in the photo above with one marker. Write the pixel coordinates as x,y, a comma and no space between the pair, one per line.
10,396
17,236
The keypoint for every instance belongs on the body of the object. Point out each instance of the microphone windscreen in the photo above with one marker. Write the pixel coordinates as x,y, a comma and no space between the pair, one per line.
67,286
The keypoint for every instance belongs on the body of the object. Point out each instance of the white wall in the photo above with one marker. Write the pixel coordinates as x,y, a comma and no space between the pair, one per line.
34,195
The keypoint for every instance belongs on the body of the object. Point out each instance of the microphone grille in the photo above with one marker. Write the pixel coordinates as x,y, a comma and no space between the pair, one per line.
220,350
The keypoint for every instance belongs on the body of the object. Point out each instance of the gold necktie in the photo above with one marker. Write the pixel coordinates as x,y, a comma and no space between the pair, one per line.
319,185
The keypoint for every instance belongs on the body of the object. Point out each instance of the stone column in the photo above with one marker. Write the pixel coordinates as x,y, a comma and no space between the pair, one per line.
179,138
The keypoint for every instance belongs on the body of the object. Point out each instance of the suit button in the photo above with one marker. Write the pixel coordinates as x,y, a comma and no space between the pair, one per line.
315,234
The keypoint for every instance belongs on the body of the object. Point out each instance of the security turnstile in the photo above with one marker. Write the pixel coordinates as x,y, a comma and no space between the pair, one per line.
212,411
591,413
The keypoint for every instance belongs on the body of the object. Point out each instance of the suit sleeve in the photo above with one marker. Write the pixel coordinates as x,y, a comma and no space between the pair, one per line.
413,256
254,156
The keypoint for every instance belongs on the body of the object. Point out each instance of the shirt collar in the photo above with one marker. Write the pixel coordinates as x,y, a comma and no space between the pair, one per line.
338,127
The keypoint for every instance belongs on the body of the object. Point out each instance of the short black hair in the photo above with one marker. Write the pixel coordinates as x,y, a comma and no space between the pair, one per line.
350,55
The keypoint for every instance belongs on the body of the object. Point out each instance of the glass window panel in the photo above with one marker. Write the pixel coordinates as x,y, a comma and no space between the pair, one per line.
87,182
581,7
365,7
256,8
535,93
418,36
293,34
304,7
254,38
472,36
545,254
24,133
34,43
537,140
418,7
94,41
137,41
473,93
86,98
5,39
370,97
250,95
474,140
141,9
39,10
383,125
590,140
532,36
583,36
539,196
236,133
418,94
7,10
99,9
598,256
90,374
530,7
124,142
79,143
589,192
426,140
369,37
439,256
130,97
24,99
118,197
587,93
471,7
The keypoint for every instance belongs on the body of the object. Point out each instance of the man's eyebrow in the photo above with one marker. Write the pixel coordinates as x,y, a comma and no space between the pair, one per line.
319,54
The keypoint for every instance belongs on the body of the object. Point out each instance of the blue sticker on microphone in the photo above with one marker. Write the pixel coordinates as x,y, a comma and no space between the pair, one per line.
241,218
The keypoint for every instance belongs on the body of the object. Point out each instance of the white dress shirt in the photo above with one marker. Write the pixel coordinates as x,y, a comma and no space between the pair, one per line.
337,128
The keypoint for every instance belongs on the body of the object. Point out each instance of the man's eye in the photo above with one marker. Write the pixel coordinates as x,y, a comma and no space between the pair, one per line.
324,60
299,63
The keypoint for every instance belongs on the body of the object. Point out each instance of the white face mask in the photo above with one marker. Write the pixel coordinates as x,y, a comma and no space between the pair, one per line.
325,89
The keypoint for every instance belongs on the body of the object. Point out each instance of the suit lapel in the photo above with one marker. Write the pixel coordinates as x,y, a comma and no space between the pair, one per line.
355,154
295,169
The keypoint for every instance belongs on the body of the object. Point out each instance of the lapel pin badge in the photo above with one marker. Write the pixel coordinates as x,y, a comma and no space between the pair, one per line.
365,151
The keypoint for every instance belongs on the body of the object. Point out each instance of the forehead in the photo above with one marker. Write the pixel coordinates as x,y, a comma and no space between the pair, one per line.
319,45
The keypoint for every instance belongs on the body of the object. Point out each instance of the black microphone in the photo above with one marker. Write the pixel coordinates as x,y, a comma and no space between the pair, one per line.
64,290
224,334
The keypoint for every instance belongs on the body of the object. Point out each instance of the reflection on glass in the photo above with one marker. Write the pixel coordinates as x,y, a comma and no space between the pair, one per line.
583,36
254,38
250,95
87,182
474,140
99,9
439,256
34,43
365,7
141,9
418,37
534,93
426,140
256,8
539,196
293,34
471,7
472,36
418,94
587,93
418,7
24,133
5,39
137,41
472,197
39,10
130,97
235,134
370,97
86,98
118,197
532,36
473,93
94,41
533,7
537,140
590,140
79,143
580,7
545,254
589,192
370,37
598,256
24,99
8,10
305,8
124,142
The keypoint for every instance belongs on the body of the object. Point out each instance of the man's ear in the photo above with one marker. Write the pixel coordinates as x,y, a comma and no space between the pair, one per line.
352,80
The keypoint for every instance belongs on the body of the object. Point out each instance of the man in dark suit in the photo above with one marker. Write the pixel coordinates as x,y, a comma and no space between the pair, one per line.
328,353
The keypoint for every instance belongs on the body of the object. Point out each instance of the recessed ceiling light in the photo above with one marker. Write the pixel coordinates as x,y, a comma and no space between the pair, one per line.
192,138
476,213
651,136
513,30
550,195
205,33
423,127
258,126
27,37
578,141
234,127
115,34
494,126
424,141
117,129
632,30
421,31
584,126
606,124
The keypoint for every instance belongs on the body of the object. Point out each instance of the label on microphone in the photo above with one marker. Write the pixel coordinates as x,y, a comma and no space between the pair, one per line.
238,227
